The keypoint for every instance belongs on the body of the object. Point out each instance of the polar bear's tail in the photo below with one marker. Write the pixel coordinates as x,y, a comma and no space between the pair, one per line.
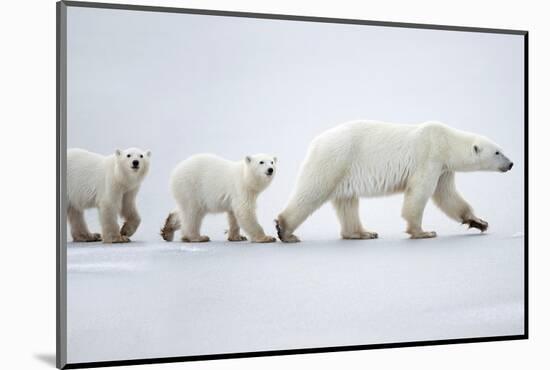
171,224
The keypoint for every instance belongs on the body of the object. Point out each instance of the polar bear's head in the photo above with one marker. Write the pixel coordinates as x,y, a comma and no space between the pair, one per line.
261,168
487,156
132,162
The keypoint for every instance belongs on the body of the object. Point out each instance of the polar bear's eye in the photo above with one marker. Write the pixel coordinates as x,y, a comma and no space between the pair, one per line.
261,162
271,162
128,155
497,153
141,155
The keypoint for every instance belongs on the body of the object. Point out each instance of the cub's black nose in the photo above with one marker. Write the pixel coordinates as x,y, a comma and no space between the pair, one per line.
270,170
510,166
135,163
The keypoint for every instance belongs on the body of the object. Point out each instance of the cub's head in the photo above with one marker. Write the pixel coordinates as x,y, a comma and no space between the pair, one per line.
133,162
488,156
261,166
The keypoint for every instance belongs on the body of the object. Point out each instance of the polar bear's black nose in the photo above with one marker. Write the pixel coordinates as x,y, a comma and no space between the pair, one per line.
510,166
270,170
135,163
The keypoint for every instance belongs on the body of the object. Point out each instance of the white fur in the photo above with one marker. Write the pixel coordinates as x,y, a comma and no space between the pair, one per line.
109,183
370,159
205,183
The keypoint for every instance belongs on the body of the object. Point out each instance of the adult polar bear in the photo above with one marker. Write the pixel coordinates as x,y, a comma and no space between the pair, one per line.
369,159
109,183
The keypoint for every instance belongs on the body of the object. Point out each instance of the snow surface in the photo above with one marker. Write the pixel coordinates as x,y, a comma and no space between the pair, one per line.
155,299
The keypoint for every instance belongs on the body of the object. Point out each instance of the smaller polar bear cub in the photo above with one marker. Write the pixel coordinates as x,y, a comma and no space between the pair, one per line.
206,183
109,183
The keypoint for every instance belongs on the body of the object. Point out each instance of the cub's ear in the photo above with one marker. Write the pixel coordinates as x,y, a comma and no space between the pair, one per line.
148,153
274,159
118,152
477,149
248,159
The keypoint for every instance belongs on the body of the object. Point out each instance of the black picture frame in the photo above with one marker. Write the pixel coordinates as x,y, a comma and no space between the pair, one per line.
61,147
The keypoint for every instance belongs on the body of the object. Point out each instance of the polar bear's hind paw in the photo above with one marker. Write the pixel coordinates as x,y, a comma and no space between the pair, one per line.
280,226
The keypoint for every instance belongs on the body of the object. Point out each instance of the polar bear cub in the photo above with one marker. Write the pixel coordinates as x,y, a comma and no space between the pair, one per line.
109,183
369,159
205,183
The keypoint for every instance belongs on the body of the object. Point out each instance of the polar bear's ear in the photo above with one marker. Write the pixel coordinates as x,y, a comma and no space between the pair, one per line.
118,152
477,149
148,153
248,159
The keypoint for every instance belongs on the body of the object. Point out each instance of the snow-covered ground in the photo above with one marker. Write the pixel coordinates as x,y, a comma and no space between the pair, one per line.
155,299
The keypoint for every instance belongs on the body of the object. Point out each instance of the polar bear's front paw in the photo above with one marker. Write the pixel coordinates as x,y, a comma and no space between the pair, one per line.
195,239
237,238
361,235
264,239
423,235
94,237
477,223
91,237
116,239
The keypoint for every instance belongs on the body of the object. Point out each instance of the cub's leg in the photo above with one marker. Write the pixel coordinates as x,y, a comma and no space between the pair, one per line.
109,225
191,220
347,211
130,214
245,213
419,190
449,200
79,229
234,233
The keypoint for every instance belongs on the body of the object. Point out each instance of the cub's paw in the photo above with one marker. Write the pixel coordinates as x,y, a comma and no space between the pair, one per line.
423,235
116,239
197,239
476,223
92,237
237,238
361,235
264,239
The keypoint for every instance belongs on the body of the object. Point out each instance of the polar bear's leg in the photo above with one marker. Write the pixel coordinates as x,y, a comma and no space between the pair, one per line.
419,190
79,229
308,197
245,213
130,214
347,211
171,224
109,225
234,233
449,200
191,220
